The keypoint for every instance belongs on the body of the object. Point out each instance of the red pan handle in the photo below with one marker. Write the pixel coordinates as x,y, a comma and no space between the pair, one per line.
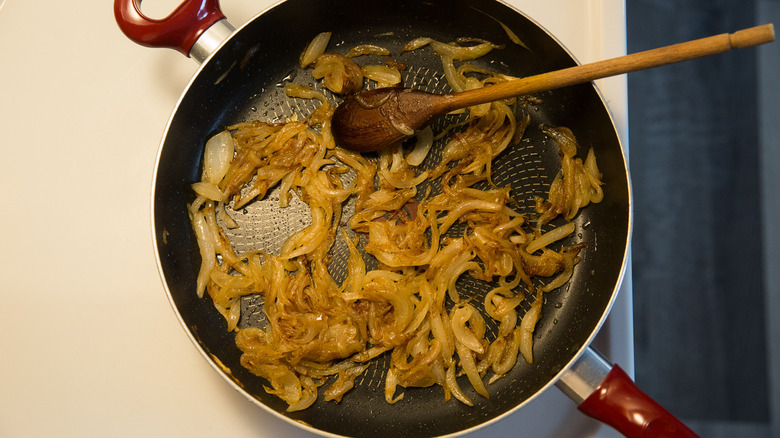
617,401
179,30
605,392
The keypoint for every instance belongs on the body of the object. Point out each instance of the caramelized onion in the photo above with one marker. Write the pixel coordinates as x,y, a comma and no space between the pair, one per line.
302,91
550,237
344,382
527,325
208,190
367,49
462,53
424,241
400,126
575,186
338,73
470,336
384,76
416,44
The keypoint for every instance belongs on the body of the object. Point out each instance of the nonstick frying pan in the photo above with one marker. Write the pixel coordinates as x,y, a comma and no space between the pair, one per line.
242,77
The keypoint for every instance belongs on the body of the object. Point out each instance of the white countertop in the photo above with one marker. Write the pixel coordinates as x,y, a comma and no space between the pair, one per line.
90,344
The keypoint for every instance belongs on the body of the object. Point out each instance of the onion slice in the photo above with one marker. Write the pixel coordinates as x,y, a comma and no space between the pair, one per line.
217,155
526,329
422,146
367,49
385,76
315,49
549,237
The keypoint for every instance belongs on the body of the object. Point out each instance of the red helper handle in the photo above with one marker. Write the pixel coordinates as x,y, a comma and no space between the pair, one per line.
179,30
617,401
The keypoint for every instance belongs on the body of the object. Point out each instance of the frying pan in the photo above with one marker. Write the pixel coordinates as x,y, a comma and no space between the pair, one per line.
241,78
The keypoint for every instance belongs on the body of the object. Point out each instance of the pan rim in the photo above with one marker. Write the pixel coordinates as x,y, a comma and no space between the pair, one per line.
213,362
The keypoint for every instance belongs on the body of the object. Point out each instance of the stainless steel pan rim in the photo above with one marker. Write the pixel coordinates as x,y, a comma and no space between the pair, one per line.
221,38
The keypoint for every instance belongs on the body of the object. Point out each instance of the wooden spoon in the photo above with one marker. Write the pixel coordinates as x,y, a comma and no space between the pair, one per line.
377,119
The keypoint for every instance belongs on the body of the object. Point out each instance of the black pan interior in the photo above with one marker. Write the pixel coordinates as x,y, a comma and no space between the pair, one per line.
241,83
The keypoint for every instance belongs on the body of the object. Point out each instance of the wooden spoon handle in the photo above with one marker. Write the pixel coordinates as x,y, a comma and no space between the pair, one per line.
611,67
